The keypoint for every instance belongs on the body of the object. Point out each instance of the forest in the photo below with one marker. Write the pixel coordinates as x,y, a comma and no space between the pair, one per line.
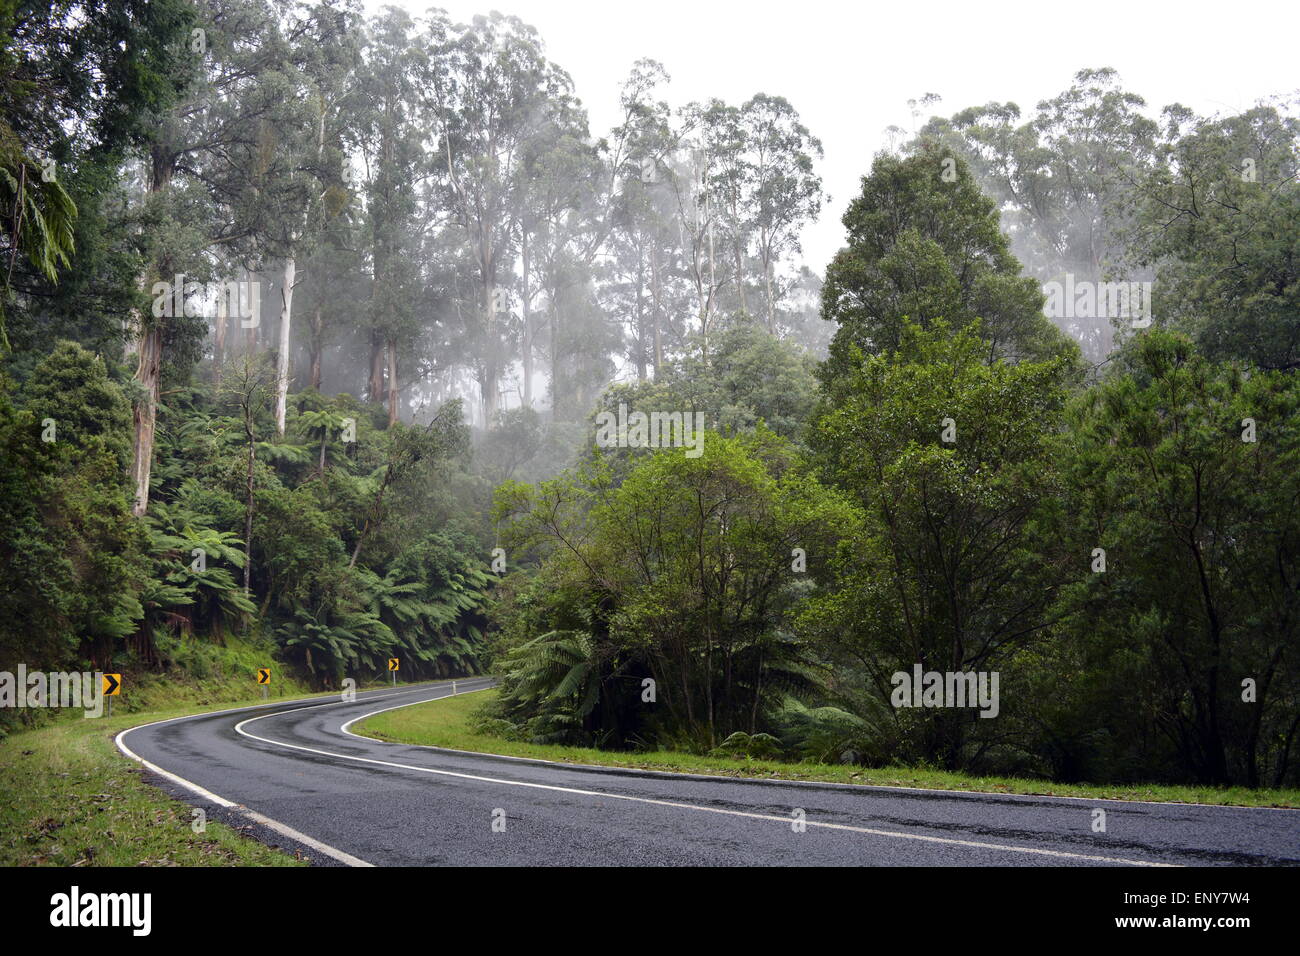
340,333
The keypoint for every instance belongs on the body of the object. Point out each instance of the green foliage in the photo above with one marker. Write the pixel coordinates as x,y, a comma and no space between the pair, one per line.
751,382
682,574
751,376
1062,179
947,455
1201,540
832,735
71,386
930,495
39,212
75,560
78,84
193,587
90,582
758,746
552,684
924,246
1217,216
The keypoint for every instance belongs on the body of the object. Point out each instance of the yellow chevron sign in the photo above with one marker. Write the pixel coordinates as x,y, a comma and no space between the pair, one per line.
112,685
264,675
394,664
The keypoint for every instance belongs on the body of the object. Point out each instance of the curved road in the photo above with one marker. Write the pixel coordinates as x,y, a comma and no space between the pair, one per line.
293,774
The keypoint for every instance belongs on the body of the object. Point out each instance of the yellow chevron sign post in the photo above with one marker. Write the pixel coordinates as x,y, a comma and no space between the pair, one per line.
393,665
264,678
112,687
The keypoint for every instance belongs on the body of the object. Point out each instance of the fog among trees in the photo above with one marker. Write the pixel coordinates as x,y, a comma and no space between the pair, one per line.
344,335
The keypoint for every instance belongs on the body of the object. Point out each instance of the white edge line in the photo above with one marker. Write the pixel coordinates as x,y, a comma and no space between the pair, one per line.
778,781
1060,854
282,829
385,710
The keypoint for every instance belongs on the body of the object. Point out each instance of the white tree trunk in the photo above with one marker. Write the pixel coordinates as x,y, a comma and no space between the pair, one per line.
767,288
283,361
527,326
148,374
219,342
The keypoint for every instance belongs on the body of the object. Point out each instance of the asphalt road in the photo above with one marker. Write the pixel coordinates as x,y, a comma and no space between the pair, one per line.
294,776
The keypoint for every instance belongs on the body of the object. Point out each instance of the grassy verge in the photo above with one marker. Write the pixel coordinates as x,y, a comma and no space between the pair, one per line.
68,797
448,723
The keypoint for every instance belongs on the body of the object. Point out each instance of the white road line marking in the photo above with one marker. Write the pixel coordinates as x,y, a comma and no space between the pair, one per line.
1058,854
334,852
282,829
877,788
384,710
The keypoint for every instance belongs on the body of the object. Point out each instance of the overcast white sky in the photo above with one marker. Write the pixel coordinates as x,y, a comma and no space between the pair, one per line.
849,68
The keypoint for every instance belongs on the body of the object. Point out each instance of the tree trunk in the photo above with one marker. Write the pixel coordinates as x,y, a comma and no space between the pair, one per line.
640,316
740,279
379,275
655,311
713,288
219,342
282,360
1216,755
248,502
317,331
767,287
148,373
527,344
708,685
489,385
554,317
250,331
392,382
376,384
372,515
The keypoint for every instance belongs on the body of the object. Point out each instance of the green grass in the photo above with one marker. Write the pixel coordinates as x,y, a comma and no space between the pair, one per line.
68,797
449,723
